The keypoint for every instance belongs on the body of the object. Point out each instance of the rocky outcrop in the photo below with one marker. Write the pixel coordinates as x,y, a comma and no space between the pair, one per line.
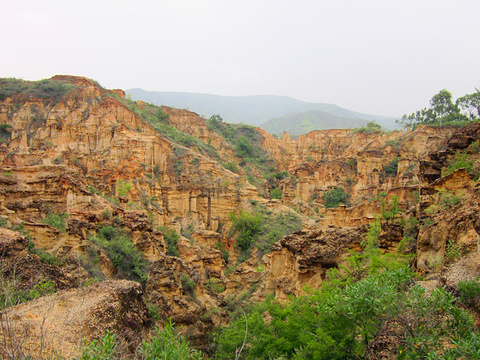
301,260
59,322
23,269
180,292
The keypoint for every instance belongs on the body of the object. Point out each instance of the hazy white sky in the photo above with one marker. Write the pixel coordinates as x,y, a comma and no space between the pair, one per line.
384,57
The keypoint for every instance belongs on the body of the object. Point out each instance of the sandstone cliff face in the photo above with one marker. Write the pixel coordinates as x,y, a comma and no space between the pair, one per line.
322,160
88,155
101,140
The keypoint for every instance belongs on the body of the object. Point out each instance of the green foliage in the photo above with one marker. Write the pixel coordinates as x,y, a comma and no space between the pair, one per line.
10,295
276,193
244,148
247,143
391,168
42,89
458,162
171,238
470,104
261,229
247,226
56,220
371,128
154,115
44,256
122,253
123,187
187,283
443,110
5,133
453,251
225,255
275,227
215,120
335,197
392,211
104,348
469,291
231,165
340,323
215,285
168,344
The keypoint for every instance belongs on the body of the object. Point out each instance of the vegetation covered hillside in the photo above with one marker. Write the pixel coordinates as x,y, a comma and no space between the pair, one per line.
130,230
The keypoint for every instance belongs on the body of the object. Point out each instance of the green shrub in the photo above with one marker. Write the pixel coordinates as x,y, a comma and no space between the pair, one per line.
10,295
214,286
171,238
225,254
5,133
168,344
458,162
469,290
122,253
123,187
56,220
187,283
371,128
247,226
232,166
276,193
335,197
104,348
341,323
42,89
391,169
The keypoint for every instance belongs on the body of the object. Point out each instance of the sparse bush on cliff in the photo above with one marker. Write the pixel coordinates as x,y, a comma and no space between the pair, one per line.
458,162
42,89
391,169
261,229
122,253
276,193
371,128
336,196
58,221
123,187
5,133
247,226
171,238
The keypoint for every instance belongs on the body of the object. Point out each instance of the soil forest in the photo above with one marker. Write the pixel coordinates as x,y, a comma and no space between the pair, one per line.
135,231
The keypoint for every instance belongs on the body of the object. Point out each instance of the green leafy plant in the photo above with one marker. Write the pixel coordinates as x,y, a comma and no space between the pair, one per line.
215,285
469,290
247,226
187,283
169,344
104,348
58,221
122,253
123,187
276,193
391,168
459,161
171,238
335,197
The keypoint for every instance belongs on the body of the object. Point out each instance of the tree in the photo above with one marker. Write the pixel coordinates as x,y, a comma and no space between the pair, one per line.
244,148
442,109
335,197
470,103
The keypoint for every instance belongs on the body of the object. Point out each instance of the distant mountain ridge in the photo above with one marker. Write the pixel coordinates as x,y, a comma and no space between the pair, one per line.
269,111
